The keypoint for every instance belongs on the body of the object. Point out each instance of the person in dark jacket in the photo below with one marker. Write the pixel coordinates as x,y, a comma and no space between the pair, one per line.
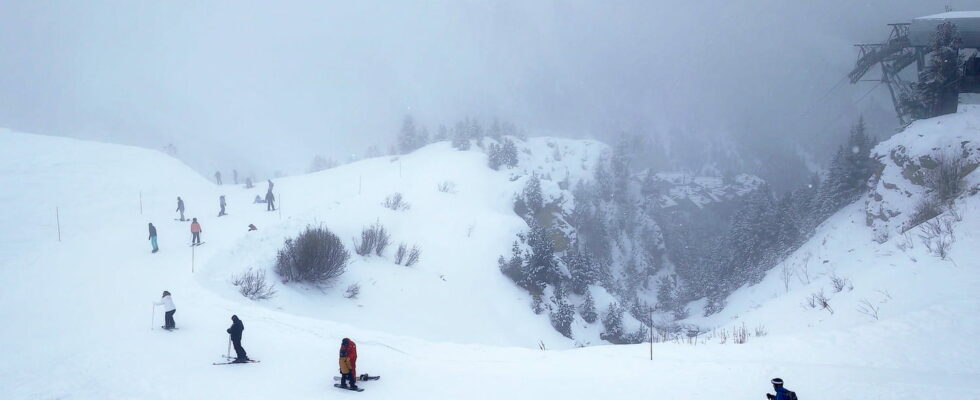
153,237
222,204
235,333
180,207
348,364
248,183
781,392
217,177
270,201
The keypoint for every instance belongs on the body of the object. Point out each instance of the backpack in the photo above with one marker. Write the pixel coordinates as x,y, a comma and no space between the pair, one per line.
791,395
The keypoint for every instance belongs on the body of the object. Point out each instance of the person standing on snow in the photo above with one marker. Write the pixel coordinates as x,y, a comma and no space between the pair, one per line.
348,364
195,232
270,201
169,308
235,332
180,207
217,177
221,202
153,237
781,392
248,183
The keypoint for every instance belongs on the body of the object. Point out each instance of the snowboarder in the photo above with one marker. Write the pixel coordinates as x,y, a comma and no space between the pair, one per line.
235,333
234,175
221,202
195,232
252,227
169,308
348,364
217,177
248,183
270,200
153,237
180,207
781,392
258,200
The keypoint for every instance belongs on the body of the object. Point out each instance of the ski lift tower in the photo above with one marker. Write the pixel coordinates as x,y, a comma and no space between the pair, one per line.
909,43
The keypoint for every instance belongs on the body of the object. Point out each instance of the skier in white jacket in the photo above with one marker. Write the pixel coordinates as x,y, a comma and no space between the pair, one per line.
169,308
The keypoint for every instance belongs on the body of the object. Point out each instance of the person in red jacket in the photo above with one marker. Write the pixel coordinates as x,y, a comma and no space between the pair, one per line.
348,363
195,232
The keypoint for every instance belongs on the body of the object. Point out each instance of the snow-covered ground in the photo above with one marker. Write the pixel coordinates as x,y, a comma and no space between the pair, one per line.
74,318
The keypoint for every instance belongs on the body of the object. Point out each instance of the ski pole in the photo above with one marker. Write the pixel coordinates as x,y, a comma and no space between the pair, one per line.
153,316
228,353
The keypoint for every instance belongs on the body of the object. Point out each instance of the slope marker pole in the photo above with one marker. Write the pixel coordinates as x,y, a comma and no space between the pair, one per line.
192,258
141,202
57,217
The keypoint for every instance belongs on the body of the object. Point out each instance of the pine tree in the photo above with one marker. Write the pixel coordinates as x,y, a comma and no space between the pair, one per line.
587,311
494,156
562,314
442,134
508,153
532,195
937,91
541,268
612,321
407,137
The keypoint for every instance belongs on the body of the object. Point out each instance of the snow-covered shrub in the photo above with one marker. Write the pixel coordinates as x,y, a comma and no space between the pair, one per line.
352,291
740,334
927,208
760,330
818,300
374,239
315,256
395,202
868,308
937,235
447,187
413,256
640,335
252,284
946,178
401,253
840,283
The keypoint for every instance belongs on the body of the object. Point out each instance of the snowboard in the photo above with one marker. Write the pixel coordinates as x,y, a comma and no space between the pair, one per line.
361,378
337,385
232,362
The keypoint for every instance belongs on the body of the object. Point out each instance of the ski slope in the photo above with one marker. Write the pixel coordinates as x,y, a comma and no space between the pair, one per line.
76,313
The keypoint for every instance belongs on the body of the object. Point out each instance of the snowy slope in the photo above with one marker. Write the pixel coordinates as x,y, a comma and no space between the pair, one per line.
77,324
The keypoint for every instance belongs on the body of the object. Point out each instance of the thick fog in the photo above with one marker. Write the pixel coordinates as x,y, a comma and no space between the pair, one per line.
264,86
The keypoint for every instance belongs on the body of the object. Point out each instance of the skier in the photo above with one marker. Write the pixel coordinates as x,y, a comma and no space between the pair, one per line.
234,175
169,308
180,207
217,176
270,201
251,227
781,392
221,202
236,339
153,237
348,364
248,183
195,232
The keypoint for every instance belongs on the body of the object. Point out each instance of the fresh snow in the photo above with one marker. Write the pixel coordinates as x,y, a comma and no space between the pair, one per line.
76,320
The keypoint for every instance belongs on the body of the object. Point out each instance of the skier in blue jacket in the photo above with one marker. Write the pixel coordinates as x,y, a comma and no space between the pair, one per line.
781,392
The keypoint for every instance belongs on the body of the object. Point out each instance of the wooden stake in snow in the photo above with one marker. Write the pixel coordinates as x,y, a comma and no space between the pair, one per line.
57,218
651,333
141,202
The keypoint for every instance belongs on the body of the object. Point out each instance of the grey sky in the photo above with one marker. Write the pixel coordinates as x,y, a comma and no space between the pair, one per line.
265,85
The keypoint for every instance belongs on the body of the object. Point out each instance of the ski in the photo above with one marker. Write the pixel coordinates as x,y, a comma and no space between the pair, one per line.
169,329
337,385
192,245
233,362
361,378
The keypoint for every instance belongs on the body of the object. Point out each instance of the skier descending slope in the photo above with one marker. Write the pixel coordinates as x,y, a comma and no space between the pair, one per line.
235,332
348,364
169,308
222,204
195,232
781,392
153,237
180,208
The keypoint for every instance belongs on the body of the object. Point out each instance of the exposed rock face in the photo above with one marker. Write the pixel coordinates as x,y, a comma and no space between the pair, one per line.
906,161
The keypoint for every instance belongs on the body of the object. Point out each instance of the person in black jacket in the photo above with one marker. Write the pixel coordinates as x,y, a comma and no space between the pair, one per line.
236,338
180,207
222,204
270,201
153,237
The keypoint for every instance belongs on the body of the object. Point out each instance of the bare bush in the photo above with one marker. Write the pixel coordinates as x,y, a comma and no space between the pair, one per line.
447,187
946,179
413,256
315,256
927,208
907,242
352,291
740,334
253,285
401,253
374,239
395,202
868,308
804,274
760,331
785,274
840,283
723,336
937,235
818,300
